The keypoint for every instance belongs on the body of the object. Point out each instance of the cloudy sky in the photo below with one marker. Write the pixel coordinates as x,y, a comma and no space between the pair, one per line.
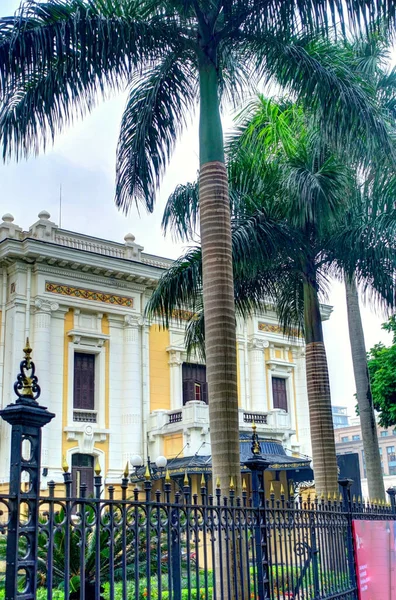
82,161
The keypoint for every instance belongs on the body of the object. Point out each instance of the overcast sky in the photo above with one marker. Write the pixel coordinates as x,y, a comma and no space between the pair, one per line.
83,162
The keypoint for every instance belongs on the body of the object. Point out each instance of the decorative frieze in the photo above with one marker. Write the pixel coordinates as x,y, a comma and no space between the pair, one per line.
275,328
84,294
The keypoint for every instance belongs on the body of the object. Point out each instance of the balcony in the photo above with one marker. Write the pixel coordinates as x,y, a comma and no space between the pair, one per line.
195,415
272,421
84,416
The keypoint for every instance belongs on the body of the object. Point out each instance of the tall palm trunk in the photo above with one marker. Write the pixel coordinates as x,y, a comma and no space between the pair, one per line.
218,286
319,399
363,392
220,326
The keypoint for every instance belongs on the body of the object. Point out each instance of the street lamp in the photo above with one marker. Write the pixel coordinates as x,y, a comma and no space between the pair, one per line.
150,472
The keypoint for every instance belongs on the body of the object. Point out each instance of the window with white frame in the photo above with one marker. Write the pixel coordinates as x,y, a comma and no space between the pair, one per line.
84,387
279,393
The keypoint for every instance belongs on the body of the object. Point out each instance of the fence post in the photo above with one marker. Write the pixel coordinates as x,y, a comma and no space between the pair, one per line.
175,549
392,495
314,552
347,505
257,465
26,418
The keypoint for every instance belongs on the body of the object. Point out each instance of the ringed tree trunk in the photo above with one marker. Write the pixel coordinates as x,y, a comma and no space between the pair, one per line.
218,285
363,392
220,325
319,398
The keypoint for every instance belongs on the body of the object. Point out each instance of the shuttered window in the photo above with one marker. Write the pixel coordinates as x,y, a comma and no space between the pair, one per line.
279,394
83,472
195,386
84,381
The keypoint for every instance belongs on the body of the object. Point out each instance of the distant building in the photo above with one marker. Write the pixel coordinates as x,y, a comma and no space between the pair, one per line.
340,417
349,440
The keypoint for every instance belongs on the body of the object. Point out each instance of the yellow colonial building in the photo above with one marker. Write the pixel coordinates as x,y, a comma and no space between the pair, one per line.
119,385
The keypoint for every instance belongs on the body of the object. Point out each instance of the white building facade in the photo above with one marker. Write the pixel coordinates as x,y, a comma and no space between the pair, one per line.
119,385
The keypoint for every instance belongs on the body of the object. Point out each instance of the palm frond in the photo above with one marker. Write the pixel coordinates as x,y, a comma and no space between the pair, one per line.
35,111
194,337
316,188
366,247
159,102
315,16
181,212
57,56
343,102
178,290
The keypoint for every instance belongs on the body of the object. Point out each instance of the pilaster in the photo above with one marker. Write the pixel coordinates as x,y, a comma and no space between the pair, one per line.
244,397
176,378
303,430
145,383
43,310
131,414
258,383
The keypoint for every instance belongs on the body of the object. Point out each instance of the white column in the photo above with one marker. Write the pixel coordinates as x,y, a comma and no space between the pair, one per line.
145,387
242,372
131,416
42,358
176,378
13,354
258,384
55,401
302,412
116,396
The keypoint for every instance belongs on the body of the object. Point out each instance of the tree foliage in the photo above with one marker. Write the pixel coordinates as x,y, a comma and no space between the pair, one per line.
299,212
59,57
382,369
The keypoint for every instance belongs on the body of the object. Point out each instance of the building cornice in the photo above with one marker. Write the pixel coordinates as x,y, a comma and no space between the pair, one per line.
74,260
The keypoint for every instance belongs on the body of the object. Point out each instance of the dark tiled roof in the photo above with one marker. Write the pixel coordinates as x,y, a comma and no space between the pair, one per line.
272,451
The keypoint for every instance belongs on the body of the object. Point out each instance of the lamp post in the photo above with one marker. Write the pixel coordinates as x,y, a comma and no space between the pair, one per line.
257,465
150,472
27,419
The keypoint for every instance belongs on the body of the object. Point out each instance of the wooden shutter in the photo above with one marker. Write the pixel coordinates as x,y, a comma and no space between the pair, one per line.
192,374
188,390
84,381
279,394
204,392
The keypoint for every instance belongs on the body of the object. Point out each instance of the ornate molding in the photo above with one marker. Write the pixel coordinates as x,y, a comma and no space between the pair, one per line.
275,328
88,338
85,294
86,436
175,358
257,344
277,364
182,315
95,279
133,321
46,306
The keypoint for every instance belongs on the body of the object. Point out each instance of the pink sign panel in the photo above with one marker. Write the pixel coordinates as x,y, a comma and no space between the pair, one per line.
375,546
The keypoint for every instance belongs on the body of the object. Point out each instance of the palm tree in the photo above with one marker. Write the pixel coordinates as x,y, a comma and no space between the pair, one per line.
374,202
372,57
58,56
293,227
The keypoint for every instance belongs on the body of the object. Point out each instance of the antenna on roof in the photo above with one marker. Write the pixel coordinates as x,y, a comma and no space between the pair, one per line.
60,206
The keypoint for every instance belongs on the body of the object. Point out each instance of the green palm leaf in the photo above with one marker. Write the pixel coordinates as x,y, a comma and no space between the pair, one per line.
159,102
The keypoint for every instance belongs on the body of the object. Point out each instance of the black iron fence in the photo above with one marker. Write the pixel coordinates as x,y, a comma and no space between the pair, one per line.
162,546
131,544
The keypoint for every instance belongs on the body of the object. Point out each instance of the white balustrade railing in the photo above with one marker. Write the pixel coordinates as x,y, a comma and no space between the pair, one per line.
81,243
